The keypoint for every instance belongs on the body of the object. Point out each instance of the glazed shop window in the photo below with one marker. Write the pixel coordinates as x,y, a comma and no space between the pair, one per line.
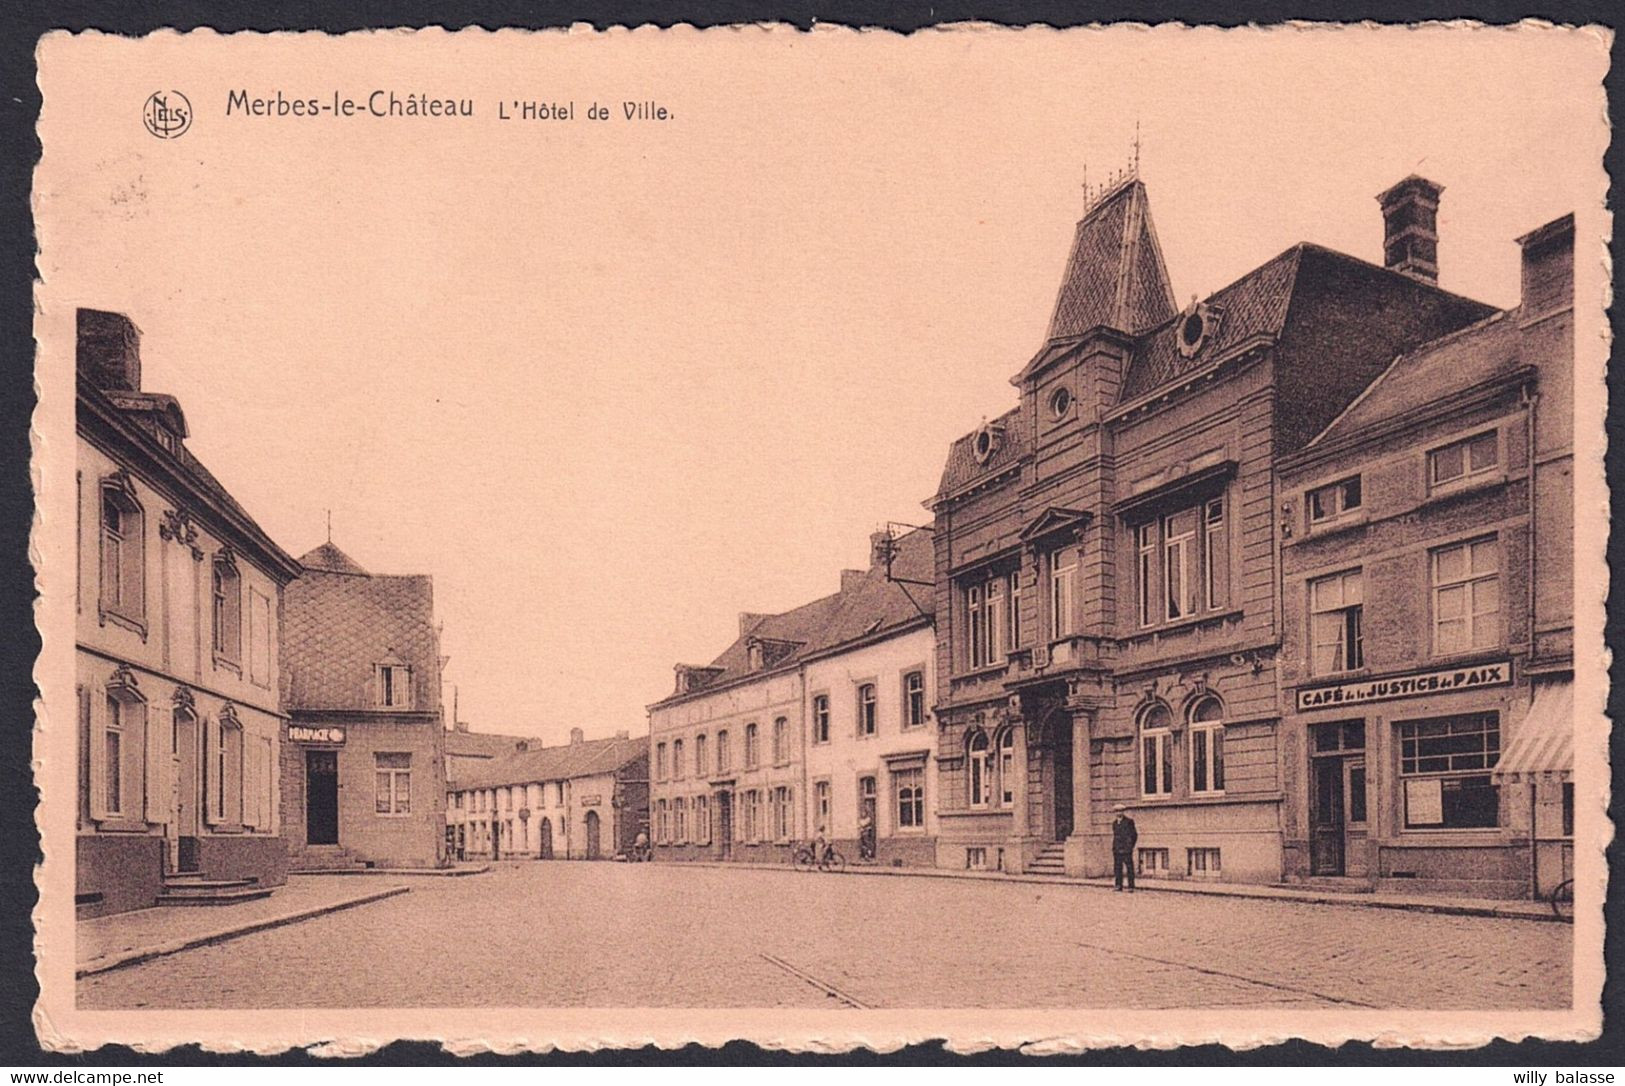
1182,563
1156,751
908,785
1207,746
394,783
1335,612
1445,765
913,699
1466,596
1330,502
1462,459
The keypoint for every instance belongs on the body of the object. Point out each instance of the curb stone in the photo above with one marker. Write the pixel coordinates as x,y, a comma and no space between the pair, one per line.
121,959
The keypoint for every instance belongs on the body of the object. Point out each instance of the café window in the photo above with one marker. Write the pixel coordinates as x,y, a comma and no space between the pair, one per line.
1444,766
1182,563
1328,503
1462,459
1336,604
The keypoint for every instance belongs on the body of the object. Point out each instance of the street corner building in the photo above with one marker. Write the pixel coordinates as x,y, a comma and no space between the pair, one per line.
363,757
587,800
813,723
1428,645
1112,626
179,598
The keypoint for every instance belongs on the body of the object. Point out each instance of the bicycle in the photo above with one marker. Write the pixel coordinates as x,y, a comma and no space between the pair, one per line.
806,857
1562,900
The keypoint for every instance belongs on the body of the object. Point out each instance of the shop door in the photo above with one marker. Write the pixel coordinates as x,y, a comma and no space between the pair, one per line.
593,852
1326,817
322,797
725,825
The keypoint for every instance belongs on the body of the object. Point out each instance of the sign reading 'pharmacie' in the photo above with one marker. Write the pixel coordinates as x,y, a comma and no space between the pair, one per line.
1496,673
298,733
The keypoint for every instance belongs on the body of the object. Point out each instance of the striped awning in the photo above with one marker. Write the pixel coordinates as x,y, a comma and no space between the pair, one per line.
1543,745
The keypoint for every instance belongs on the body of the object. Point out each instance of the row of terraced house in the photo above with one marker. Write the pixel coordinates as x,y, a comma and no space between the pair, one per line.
1286,573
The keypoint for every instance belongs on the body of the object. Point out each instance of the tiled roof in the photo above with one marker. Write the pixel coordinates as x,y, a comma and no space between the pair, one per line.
330,559
867,605
1256,303
1469,358
483,744
1114,272
584,759
962,468
337,626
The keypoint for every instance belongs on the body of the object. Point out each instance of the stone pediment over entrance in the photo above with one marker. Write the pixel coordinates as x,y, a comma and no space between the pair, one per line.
1052,520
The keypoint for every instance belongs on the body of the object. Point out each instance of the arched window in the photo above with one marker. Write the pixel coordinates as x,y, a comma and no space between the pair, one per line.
1007,767
1156,751
1207,745
228,608
866,709
700,766
123,588
977,770
678,766
750,746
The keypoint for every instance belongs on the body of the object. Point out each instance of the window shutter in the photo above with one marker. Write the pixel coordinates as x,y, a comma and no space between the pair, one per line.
251,783
96,729
211,770
160,765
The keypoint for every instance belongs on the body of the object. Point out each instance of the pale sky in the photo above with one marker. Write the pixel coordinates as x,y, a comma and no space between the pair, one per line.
613,383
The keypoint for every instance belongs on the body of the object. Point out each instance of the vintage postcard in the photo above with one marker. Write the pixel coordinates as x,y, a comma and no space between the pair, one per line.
1048,538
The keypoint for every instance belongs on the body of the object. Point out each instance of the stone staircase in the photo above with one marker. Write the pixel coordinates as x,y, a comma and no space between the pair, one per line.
187,889
319,858
1051,860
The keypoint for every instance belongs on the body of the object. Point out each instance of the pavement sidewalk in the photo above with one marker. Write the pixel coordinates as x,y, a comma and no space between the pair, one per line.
1503,909
111,942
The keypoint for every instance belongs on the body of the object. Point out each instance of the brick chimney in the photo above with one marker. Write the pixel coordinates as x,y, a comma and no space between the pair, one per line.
1410,233
624,733
852,578
1548,268
109,352
577,736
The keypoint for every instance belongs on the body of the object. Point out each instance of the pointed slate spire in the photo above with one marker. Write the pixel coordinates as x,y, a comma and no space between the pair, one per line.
329,559
1115,275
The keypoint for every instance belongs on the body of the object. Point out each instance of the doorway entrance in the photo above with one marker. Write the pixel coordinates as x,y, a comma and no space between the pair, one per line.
593,848
321,797
544,839
866,818
725,825
183,822
1337,799
1060,744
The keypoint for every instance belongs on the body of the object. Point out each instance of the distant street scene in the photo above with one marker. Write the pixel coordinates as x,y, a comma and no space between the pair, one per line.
618,935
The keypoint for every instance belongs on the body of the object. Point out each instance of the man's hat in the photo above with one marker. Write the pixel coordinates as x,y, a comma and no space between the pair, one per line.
1119,806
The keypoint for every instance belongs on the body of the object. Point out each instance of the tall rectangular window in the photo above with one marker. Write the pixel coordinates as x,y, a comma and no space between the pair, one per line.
987,618
820,715
701,765
781,813
394,686
1336,604
913,699
228,604
781,741
751,754
393,771
908,787
123,586
1215,555
976,614
1179,562
1063,592
867,709
1466,596
1182,563
113,758
259,637
679,768
724,757
660,761
1145,544
679,819
821,806
1014,584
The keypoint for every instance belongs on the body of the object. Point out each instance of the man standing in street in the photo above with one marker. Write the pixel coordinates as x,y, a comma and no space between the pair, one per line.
1124,835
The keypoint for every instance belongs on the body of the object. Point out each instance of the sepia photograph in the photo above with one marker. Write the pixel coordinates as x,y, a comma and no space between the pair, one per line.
832,539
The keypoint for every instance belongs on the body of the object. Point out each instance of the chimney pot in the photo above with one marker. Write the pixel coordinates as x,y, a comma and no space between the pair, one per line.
577,736
109,350
1410,230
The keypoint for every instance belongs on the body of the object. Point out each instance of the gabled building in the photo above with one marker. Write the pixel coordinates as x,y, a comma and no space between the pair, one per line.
814,722
469,751
363,753
585,801
179,609
1107,570
1427,552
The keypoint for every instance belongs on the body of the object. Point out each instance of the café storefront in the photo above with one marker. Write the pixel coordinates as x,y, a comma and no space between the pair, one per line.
1396,784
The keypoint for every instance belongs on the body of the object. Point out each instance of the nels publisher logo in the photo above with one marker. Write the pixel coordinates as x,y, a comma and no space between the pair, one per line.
167,114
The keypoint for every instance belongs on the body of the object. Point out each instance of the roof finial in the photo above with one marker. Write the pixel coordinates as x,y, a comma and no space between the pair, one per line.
330,525
1136,147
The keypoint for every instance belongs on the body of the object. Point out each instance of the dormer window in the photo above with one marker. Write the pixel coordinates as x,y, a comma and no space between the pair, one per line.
1060,403
394,686
1195,328
986,442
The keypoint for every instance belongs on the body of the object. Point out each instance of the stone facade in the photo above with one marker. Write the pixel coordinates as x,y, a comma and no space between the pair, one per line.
178,662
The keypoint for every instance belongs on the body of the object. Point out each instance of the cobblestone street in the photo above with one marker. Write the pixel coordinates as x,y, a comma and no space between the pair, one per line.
604,934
